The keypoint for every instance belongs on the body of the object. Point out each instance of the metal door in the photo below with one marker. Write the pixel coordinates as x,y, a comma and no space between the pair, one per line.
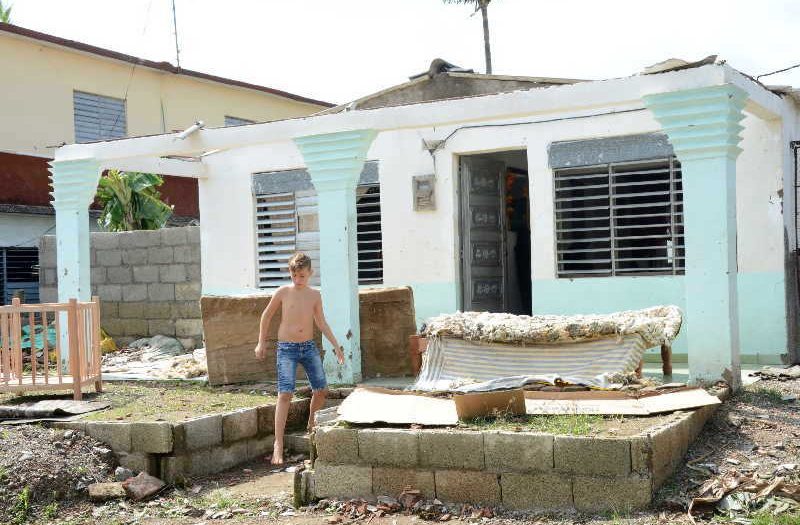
483,261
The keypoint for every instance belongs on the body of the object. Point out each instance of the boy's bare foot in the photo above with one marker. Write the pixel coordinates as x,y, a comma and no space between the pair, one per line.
277,455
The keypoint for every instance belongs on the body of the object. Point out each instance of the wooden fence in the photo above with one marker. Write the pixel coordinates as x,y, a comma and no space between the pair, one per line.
35,339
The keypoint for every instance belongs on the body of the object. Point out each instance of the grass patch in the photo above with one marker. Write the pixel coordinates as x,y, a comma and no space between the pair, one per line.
160,400
766,518
567,424
761,395
21,506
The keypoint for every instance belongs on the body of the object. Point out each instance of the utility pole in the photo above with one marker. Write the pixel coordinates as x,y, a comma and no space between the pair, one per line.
175,27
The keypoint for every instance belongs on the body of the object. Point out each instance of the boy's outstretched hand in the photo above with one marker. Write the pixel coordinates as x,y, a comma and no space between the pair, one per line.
339,354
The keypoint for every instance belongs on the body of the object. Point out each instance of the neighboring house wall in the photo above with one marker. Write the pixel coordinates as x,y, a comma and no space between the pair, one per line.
148,282
421,249
39,80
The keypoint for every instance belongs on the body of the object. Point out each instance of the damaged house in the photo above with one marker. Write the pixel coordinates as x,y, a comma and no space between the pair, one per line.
504,194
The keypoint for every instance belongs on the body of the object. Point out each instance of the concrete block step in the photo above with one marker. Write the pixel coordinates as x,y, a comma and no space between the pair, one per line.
297,442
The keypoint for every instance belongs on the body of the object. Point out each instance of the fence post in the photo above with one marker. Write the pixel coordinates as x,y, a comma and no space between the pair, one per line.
97,351
74,355
16,334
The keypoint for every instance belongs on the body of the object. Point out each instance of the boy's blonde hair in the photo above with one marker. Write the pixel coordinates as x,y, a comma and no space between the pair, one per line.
299,261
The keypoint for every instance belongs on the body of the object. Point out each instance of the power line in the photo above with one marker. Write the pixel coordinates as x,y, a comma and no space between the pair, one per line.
778,71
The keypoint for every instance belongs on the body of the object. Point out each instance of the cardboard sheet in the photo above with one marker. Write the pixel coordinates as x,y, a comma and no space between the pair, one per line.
394,407
479,404
377,405
616,403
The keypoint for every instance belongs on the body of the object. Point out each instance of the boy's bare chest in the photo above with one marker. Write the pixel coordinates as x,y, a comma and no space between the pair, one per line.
299,305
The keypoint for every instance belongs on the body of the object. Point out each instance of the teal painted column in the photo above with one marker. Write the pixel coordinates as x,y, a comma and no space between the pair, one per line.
74,185
703,127
335,161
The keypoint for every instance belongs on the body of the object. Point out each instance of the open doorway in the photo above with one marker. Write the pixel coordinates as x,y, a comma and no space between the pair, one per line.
494,218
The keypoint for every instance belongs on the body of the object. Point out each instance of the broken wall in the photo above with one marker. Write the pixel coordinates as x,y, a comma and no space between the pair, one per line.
231,327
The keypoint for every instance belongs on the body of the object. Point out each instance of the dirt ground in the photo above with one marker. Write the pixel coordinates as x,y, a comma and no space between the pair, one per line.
758,429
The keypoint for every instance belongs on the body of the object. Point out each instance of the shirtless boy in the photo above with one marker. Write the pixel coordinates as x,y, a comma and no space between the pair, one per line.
301,307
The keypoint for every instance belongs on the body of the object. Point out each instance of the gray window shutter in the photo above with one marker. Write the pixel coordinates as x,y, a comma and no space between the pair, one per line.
98,117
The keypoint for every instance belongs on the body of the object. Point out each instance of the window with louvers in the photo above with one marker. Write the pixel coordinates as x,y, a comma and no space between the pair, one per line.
369,234
620,219
276,219
98,117
276,225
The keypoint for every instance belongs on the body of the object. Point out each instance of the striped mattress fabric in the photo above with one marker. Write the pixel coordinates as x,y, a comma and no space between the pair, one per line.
468,366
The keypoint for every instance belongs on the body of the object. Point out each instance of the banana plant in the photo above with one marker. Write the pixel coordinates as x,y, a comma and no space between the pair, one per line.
131,201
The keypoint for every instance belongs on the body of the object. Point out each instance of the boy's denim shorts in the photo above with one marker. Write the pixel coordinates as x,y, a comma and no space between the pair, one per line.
305,353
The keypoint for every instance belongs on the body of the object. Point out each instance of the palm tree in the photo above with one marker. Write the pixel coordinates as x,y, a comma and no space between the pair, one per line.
483,6
5,13
131,201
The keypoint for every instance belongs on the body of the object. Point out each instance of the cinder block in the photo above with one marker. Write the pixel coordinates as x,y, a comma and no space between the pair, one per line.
225,457
298,414
135,239
162,310
342,480
188,327
109,257
642,454
139,462
161,327
185,309
618,494
134,292
174,469
145,274
260,446
47,256
336,445
110,292
134,256
449,449
132,310
297,443
172,273
48,294
136,327
119,275
240,424
592,456
536,491
104,240
193,270
160,255
98,275
518,452
187,291
155,437
160,291
70,425
202,462
266,419
182,254
198,433
193,234
391,481
108,309
173,236
116,435
467,486
390,447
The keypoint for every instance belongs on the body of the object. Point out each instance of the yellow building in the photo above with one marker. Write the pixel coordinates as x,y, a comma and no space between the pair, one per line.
55,91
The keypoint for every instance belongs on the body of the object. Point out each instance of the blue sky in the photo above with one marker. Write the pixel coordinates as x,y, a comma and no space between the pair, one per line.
341,50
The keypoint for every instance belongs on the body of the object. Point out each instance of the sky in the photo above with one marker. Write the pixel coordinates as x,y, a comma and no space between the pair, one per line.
338,51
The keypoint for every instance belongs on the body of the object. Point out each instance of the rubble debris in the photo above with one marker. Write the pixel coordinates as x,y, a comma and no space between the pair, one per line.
158,357
142,486
106,491
779,374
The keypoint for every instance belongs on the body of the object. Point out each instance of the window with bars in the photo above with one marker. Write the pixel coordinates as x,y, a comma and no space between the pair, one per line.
620,219
236,121
19,274
98,117
278,239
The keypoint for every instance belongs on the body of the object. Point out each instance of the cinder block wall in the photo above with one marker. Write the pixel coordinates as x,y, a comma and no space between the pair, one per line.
148,282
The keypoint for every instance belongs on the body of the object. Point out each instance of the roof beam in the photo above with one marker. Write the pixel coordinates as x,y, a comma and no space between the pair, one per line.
158,165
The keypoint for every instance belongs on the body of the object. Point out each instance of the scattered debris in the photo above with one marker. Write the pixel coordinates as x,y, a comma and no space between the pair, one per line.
779,374
122,473
142,486
158,357
106,491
